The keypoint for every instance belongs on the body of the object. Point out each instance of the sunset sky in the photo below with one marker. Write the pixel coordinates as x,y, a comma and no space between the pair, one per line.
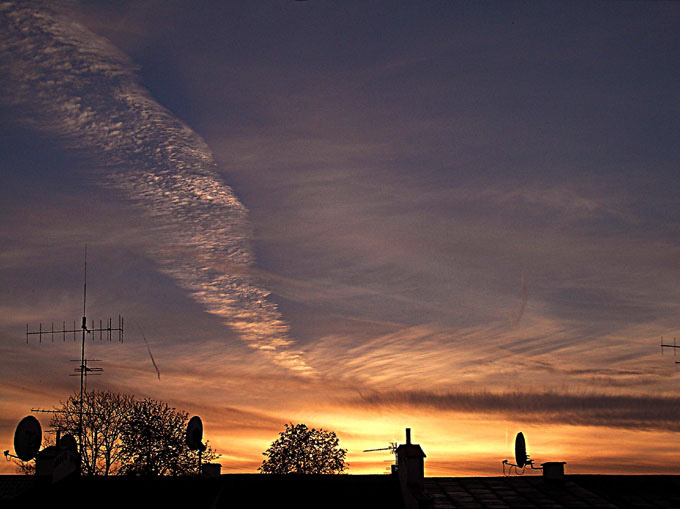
458,217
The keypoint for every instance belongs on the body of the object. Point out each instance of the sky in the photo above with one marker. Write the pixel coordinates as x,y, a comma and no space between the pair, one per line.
458,217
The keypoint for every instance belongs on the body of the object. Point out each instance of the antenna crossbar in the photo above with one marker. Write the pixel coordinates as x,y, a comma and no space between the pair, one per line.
106,331
674,346
85,370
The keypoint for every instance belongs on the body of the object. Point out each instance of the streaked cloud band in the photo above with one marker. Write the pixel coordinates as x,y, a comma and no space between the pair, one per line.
69,83
583,409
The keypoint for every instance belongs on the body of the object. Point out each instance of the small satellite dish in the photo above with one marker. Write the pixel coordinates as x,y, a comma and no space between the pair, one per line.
195,434
521,457
520,450
68,443
27,438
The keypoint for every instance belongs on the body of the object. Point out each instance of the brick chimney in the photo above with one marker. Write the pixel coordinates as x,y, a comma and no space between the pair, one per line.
411,472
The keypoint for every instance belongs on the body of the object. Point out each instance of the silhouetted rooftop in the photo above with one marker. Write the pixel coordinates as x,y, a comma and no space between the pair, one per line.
227,491
576,491
347,491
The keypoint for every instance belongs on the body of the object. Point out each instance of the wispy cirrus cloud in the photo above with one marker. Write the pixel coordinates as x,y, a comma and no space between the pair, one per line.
71,84
542,351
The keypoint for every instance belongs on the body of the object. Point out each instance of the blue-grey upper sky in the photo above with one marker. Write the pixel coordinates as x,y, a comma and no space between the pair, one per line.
353,204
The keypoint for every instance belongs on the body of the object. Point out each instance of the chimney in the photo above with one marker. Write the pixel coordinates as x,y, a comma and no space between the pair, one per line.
553,471
411,472
211,469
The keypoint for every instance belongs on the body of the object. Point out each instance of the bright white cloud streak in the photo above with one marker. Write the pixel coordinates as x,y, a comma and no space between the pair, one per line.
72,84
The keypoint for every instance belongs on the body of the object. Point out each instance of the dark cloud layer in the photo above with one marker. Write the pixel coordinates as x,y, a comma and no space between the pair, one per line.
619,411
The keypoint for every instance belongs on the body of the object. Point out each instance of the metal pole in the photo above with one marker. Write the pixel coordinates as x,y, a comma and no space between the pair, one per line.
82,386
82,359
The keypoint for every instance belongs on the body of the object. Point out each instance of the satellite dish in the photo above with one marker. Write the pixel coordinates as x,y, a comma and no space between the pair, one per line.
27,438
68,443
520,450
521,457
195,434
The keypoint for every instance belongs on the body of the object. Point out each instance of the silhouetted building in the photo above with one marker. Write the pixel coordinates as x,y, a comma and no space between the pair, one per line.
344,491
405,488
576,491
411,473
224,492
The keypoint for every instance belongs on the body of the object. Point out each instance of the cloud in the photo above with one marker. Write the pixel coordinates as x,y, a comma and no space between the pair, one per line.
516,317
543,351
451,244
587,409
77,87
572,204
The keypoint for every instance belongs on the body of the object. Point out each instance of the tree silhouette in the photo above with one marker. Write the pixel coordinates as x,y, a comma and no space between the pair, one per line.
154,441
104,417
122,435
300,450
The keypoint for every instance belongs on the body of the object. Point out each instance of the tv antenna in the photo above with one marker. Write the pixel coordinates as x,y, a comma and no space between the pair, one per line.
674,346
106,331
392,447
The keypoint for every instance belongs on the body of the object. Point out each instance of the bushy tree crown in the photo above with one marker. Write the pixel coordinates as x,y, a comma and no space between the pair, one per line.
300,450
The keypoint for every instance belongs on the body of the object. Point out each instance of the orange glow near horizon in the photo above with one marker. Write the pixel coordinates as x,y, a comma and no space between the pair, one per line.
456,444
241,418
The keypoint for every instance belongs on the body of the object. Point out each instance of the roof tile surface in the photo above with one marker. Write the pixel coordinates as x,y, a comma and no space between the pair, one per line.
576,492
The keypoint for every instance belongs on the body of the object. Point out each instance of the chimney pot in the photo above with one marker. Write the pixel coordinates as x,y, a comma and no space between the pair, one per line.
408,435
553,470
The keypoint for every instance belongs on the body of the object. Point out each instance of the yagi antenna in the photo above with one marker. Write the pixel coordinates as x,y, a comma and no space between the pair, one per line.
392,447
105,330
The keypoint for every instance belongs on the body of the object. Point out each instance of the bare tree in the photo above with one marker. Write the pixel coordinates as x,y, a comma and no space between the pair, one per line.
300,450
123,435
104,417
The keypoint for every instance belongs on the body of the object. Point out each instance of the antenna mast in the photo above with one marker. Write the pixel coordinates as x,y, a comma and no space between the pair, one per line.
83,370
83,362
